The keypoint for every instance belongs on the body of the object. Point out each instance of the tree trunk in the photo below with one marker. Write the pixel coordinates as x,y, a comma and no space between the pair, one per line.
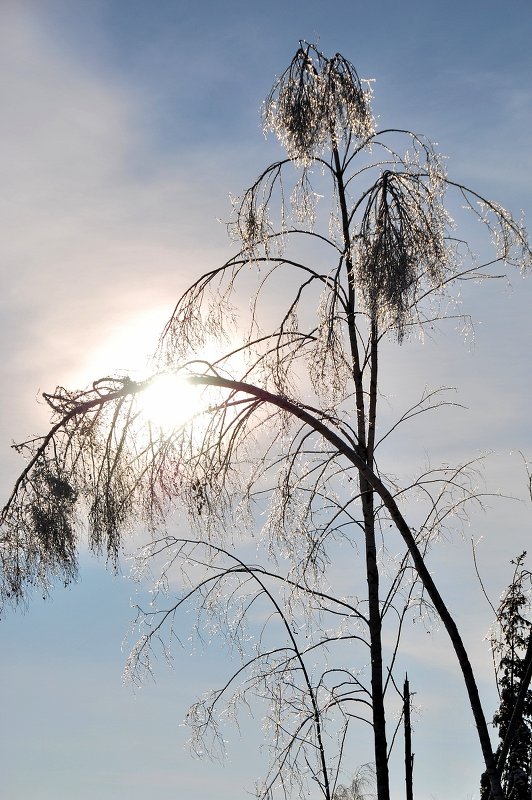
409,756
375,627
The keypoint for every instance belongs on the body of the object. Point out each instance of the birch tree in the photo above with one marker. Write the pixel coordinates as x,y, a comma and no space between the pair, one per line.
344,244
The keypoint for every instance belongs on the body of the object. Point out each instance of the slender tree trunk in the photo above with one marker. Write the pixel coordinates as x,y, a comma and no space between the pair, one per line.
366,436
372,575
409,757
375,629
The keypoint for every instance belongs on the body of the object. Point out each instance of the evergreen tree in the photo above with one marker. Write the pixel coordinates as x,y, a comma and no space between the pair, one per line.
512,653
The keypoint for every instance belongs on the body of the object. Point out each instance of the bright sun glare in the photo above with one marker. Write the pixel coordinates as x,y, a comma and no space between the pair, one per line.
170,401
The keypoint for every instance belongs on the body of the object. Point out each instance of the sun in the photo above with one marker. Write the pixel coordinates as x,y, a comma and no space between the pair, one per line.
170,401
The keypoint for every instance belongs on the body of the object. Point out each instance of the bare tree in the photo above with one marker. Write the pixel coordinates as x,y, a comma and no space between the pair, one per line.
280,457
359,787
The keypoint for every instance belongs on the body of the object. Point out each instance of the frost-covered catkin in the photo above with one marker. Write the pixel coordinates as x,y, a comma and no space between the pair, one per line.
317,102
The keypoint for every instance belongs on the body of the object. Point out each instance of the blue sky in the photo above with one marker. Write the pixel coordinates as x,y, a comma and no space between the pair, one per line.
126,126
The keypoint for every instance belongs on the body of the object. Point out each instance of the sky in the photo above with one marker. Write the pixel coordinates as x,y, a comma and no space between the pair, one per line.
126,126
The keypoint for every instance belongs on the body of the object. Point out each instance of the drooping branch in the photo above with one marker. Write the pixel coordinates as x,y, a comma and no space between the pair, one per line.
404,529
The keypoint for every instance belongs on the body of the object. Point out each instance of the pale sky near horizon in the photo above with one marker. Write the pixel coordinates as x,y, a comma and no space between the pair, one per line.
126,125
